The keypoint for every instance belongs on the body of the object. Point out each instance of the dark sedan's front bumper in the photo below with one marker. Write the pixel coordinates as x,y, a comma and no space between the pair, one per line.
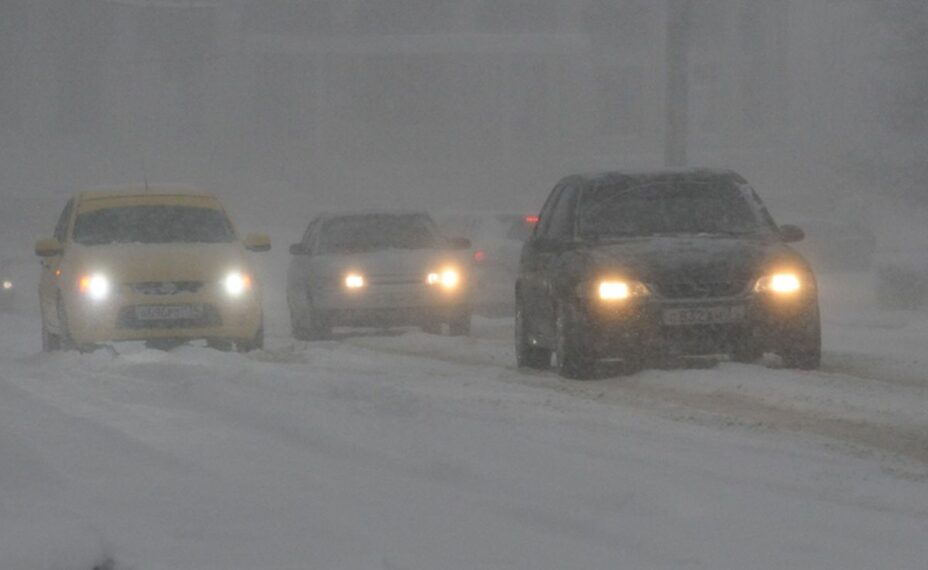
755,323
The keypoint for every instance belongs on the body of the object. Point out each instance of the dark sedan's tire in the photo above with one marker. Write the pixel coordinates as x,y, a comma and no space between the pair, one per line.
747,352
527,355
573,356
802,359
804,350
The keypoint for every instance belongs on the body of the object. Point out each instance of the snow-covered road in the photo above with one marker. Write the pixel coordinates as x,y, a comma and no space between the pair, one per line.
409,451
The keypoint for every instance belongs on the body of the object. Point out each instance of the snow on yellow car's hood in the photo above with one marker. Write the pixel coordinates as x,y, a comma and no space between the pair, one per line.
137,263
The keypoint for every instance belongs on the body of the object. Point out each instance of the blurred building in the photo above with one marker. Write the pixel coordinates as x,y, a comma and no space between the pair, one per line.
514,78
479,80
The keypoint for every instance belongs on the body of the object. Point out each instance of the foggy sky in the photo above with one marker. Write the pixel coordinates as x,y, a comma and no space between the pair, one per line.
287,107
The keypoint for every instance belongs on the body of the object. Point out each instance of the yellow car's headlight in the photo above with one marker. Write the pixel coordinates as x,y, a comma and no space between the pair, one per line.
620,289
95,286
448,278
785,283
237,283
355,281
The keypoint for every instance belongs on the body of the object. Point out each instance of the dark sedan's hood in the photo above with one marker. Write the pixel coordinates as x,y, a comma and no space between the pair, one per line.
693,258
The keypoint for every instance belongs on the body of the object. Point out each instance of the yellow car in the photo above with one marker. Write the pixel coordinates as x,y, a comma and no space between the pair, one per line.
162,265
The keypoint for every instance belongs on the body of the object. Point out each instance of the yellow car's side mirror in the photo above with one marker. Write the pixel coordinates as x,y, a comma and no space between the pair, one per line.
257,242
49,247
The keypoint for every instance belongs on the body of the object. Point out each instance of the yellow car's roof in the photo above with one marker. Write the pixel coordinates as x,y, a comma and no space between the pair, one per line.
116,197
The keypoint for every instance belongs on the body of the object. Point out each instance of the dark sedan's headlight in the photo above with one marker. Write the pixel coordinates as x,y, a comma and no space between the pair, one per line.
617,290
786,283
613,290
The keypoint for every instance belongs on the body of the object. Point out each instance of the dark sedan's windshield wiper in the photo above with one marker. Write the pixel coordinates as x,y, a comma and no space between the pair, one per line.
612,236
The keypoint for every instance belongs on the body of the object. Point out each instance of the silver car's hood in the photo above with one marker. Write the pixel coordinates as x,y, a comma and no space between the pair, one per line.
393,262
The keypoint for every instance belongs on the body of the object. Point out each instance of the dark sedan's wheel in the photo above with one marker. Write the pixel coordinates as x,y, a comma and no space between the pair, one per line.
803,350
573,356
802,359
747,351
310,324
528,355
459,325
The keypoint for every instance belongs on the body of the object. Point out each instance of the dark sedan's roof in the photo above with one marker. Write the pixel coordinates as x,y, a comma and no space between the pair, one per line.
626,177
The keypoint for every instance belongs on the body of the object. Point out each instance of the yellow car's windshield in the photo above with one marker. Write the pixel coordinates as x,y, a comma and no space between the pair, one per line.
153,224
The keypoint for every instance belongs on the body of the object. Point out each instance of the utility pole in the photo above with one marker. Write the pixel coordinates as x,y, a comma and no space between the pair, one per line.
679,16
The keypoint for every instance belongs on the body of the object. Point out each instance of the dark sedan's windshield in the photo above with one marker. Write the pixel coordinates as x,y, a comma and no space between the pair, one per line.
372,232
153,224
668,207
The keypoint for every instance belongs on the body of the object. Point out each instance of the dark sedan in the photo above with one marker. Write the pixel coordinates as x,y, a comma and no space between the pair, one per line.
647,266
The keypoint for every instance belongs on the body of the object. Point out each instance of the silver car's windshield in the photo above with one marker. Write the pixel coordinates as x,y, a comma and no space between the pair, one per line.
372,232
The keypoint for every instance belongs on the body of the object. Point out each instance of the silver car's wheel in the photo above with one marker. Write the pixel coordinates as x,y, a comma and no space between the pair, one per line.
310,324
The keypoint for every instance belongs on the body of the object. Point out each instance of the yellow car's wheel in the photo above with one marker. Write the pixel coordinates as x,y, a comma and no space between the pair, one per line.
62,340
256,344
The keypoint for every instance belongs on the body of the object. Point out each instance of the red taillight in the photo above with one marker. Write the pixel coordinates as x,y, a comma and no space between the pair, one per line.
480,256
532,220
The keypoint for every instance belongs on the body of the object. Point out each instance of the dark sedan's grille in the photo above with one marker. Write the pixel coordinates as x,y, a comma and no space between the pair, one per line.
697,290
166,287
207,317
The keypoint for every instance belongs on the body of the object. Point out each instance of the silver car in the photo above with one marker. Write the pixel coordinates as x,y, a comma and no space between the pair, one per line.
378,269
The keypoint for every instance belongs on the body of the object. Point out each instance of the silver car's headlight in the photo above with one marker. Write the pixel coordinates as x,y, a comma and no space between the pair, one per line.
448,278
355,281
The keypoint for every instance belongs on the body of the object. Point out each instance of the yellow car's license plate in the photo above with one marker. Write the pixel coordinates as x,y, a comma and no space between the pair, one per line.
168,312
703,315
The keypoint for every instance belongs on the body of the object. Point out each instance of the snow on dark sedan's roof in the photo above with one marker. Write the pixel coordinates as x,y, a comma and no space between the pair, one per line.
370,212
616,176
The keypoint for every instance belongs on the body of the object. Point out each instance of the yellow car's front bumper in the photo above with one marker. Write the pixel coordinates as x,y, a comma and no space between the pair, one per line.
128,315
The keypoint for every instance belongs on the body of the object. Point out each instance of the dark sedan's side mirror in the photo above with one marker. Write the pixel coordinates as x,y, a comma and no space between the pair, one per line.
459,243
791,234
546,245
298,249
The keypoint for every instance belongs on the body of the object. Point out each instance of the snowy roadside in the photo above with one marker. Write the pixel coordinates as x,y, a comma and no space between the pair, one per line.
361,453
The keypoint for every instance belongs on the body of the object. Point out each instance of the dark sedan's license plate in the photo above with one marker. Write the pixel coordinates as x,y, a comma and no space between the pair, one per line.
168,312
703,315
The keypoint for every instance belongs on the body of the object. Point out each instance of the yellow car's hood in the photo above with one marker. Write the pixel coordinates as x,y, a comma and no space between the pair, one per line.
139,263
